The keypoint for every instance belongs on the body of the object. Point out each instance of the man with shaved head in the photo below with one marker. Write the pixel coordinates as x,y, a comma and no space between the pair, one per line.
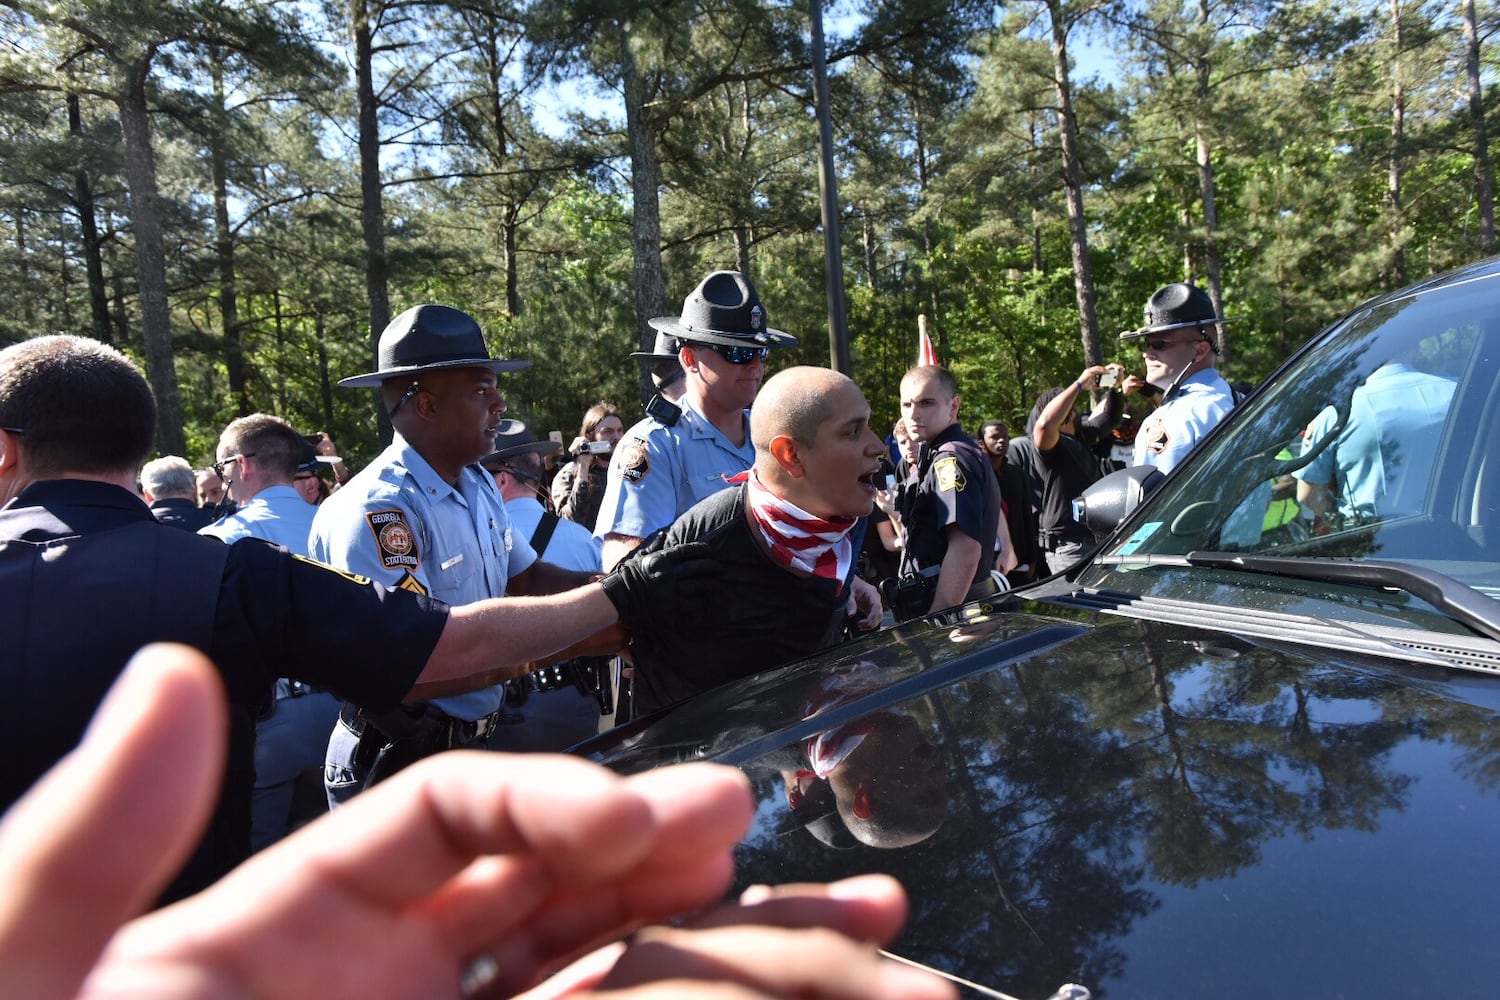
781,539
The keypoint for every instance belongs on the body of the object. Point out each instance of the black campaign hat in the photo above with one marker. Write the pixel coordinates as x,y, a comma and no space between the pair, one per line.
429,337
725,310
1176,307
665,349
514,439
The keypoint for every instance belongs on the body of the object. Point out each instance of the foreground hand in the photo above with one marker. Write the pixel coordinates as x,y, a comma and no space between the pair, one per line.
805,941
650,586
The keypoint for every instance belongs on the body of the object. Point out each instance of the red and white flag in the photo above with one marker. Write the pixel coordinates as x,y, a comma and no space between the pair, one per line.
926,355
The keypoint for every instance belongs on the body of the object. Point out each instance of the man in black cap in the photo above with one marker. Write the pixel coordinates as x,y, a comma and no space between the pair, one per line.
425,517
661,469
1178,342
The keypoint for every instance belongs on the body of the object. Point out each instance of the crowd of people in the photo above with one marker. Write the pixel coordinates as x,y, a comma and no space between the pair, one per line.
458,593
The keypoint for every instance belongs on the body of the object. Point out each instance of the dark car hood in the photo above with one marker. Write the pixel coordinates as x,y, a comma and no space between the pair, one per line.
1149,810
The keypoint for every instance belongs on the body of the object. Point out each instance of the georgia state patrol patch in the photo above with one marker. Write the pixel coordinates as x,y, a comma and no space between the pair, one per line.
1154,433
398,546
634,461
950,474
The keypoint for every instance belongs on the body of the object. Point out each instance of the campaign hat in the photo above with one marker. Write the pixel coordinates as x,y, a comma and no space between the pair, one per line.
430,337
665,348
724,309
1176,307
514,439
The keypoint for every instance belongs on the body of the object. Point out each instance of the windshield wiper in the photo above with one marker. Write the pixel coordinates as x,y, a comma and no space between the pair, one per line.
1457,600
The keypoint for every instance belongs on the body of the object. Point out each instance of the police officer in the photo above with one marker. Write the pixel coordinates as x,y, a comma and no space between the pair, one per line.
425,517
1178,343
566,705
258,458
661,469
950,510
88,576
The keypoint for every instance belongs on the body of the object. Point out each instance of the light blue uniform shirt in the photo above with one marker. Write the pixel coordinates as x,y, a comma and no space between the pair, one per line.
1380,462
277,514
571,545
658,472
1200,401
399,523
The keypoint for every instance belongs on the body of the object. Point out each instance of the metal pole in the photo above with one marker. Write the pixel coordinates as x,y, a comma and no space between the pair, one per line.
833,258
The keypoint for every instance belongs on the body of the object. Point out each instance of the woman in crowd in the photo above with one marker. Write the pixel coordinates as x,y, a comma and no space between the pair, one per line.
578,488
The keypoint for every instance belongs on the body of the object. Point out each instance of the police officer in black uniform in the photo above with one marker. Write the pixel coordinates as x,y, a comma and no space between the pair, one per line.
88,576
950,509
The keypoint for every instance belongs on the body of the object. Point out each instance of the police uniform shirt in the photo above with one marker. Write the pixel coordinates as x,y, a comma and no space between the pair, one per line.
658,472
87,577
402,525
277,514
766,615
1200,401
1380,462
956,486
570,547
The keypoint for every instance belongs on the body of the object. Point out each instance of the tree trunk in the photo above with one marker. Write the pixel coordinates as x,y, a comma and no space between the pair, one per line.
867,242
1206,184
645,185
93,258
1397,274
229,314
151,264
1083,277
372,206
1484,181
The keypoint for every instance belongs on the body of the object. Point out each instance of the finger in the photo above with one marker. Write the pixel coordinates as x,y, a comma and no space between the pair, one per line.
398,841
97,838
866,907
806,963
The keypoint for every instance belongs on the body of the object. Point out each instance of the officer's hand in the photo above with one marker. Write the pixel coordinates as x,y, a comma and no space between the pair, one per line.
864,606
649,587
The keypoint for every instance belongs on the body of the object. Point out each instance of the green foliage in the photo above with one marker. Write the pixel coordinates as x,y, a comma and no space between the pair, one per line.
946,136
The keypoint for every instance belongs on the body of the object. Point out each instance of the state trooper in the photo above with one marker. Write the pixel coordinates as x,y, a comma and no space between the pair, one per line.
568,700
660,469
425,517
1177,340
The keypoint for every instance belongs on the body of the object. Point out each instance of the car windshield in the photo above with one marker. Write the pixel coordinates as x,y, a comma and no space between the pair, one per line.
1371,447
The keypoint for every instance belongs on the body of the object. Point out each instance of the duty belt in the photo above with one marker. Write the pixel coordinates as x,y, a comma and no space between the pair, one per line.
288,688
403,722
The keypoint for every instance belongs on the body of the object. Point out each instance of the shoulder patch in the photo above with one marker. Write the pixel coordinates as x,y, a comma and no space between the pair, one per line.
635,462
949,473
363,581
1154,433
398,546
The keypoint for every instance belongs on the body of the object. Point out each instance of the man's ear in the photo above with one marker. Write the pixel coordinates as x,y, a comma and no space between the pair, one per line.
687,357
788,455
10,451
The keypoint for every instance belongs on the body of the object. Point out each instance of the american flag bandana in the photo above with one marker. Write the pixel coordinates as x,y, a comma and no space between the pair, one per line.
797,539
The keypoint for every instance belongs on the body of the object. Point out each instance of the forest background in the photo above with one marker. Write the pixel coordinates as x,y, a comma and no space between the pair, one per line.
241,193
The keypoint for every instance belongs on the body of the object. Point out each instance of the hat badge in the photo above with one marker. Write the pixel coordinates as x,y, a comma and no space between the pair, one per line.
756,317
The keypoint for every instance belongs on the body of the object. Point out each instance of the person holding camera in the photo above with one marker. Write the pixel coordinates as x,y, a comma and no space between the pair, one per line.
578,488
950,508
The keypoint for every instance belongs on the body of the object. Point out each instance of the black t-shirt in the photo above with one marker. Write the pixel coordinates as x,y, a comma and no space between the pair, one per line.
766,616
87,577
1066,470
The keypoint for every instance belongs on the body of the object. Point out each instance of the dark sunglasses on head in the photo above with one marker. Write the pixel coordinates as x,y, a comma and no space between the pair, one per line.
739,355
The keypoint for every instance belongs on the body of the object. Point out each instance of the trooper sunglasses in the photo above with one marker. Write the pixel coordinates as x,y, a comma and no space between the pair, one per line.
1160,344
739,355
219,466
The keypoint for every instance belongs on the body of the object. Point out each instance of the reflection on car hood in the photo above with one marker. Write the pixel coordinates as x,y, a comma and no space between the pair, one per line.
1146,809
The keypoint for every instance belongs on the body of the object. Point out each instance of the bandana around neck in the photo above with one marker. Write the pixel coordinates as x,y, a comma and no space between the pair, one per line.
798,540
